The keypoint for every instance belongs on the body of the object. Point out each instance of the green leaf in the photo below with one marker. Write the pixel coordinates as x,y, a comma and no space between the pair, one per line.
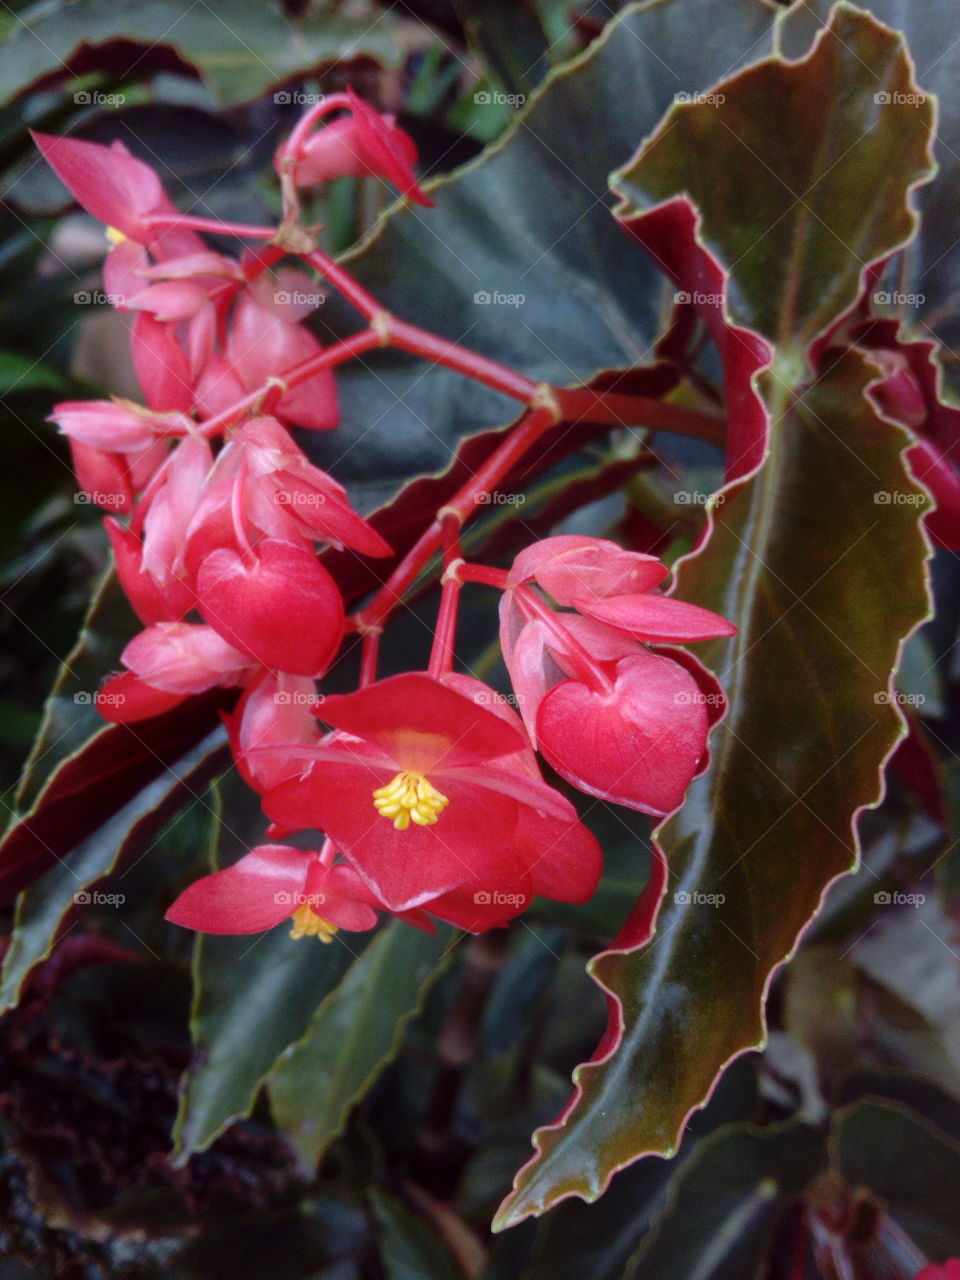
42,909
735,1189
919,1186
21,373
353,1035
240,50
82,770
770,824
930,274
253,996
408,1249
782,202
822,580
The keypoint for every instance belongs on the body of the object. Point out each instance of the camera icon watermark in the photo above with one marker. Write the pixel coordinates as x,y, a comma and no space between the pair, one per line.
897,498
696,498
883,298
297,698
294,98
84,698
699,699
97,298
285,898
698,298
297,498
699,99
896,99
298,298
496,298
499,499
683,898
98,498
493,98
494,897
94,898
886,898
884,698
92,98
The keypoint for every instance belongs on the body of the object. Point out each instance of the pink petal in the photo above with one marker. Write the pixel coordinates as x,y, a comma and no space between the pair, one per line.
421,723
638,745
650,617
571,566
283,608
256,893
179,657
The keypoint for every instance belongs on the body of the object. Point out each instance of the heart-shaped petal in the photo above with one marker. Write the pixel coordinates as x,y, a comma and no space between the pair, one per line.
281,607
637,745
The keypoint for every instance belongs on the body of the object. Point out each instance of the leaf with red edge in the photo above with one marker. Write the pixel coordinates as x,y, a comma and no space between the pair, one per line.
82,770
823,582
45,907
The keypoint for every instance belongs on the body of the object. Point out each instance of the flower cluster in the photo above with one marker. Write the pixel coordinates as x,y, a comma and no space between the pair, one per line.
424,788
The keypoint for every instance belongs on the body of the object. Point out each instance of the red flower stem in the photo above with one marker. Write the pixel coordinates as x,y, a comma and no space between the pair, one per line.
369,654
441,654
344,283
489,577
355,345
589,670
157,221
261,259
407,337
523,437
579,404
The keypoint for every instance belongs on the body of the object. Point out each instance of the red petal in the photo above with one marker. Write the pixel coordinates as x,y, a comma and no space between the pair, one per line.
657,617
262,345
421,723
256,893
102,478
126,698
339,895
283,609
162,368
181,658
639,745
113,186
150,603
571,566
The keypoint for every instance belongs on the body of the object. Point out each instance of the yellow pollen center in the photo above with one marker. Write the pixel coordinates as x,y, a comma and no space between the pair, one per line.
410,798
115,236
307,924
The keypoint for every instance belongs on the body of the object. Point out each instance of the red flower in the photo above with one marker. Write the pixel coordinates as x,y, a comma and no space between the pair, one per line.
949,1270
616,719
119,190
427,794
358,144
273,883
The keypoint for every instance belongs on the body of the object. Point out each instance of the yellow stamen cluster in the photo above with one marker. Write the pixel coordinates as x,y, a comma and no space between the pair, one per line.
410,798
115,236
307,924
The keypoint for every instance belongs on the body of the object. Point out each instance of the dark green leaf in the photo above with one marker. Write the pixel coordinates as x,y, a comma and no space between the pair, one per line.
239,49
909,1165
725,1204
352,1036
